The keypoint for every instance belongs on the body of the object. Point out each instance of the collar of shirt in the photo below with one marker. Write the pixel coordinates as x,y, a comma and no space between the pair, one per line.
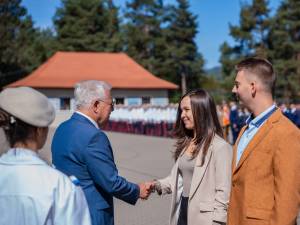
21,156
89,118
261,118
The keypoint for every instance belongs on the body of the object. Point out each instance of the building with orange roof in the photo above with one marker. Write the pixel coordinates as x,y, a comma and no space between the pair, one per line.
131,83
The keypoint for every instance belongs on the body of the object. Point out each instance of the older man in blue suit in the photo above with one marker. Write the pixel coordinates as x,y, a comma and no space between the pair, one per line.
81,150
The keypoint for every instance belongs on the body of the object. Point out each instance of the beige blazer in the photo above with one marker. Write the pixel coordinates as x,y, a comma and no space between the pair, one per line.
210,186
266,180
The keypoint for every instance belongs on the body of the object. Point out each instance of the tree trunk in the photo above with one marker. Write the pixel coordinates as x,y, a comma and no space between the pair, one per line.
183,83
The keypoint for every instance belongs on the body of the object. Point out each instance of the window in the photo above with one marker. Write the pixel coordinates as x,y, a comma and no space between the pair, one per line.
64,103
134,101
119,101
145,100
160,101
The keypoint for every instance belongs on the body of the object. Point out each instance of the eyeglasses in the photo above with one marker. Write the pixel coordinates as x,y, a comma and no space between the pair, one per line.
112,104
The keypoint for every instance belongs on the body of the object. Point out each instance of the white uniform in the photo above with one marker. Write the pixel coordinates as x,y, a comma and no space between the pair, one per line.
33,193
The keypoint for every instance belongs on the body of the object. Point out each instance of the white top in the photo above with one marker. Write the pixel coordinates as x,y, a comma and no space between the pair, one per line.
33,193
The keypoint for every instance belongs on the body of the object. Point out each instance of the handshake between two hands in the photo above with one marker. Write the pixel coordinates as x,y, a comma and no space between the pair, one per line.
147,188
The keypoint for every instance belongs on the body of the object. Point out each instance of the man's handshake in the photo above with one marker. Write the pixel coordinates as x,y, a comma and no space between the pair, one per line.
145,189
151,186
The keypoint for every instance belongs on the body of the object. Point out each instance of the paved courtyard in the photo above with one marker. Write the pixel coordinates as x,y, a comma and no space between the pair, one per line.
138,158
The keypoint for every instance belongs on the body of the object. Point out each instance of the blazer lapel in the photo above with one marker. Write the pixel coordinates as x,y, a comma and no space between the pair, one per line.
200,170
258,137
235,148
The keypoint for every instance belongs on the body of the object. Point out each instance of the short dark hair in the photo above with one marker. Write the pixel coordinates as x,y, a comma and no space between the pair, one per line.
261,68
15,129
206,123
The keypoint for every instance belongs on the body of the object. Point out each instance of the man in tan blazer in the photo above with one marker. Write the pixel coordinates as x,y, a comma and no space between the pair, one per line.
266,162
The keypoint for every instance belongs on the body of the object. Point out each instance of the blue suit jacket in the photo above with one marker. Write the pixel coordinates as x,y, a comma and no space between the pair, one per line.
82,150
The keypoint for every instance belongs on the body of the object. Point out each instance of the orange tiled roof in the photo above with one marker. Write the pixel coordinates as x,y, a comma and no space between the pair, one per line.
64,69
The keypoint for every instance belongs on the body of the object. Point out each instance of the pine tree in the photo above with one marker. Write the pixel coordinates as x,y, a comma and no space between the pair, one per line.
250,36
115,42
186,62
143,32
285,50
17,36
88,25
45,44
34,46
161,38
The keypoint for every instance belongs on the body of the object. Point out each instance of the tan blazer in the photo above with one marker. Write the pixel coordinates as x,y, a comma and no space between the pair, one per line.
266,181
210,186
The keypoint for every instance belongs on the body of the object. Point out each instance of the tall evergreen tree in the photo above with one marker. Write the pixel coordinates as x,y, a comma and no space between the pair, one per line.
17,36
161,38
34,45
285,49
88,25
113,28
186,62
250,36
45,44
144,39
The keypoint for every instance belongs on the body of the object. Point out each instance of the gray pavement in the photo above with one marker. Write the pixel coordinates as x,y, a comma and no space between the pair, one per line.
138,158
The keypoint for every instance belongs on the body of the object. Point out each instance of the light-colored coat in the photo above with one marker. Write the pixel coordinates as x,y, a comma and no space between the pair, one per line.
210,186
34,193
266,181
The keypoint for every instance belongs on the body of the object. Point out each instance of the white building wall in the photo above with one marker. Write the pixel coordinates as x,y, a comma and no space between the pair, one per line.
131,96
57,92
134,97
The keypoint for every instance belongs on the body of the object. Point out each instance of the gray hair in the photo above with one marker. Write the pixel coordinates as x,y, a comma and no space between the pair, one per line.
88,91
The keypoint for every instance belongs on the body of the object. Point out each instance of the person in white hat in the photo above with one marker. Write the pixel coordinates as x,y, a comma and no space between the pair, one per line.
32,192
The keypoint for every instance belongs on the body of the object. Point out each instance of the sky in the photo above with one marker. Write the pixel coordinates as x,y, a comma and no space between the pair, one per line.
214,17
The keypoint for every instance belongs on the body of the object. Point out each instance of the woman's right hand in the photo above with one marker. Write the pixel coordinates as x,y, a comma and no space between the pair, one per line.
156,186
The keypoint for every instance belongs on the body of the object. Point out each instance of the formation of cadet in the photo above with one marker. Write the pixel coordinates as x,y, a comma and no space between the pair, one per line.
146,119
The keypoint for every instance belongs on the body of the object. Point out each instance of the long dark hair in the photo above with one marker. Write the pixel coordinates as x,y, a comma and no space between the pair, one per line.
206,124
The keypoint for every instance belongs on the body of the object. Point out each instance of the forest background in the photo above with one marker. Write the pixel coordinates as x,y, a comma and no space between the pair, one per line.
160,37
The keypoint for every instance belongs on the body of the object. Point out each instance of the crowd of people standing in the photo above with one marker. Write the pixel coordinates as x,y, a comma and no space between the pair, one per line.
256,181
145,119
160,120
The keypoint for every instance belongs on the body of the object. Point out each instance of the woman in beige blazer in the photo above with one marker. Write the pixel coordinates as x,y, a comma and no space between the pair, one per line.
201,177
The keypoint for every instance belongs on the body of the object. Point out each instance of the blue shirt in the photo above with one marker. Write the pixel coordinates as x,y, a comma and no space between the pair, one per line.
253,127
